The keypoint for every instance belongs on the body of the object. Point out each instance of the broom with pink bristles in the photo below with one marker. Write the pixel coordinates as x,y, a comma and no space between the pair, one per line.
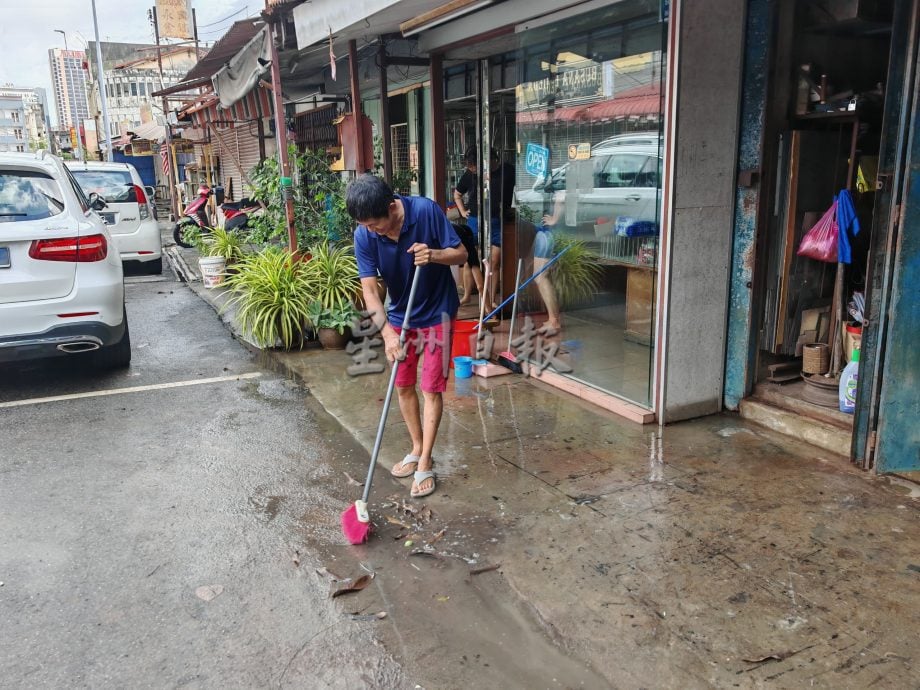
356,523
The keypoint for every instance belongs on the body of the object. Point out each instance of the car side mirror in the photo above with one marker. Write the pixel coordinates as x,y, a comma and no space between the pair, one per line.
151,193
96,202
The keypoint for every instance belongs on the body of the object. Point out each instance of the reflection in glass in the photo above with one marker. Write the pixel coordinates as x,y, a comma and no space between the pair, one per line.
588,115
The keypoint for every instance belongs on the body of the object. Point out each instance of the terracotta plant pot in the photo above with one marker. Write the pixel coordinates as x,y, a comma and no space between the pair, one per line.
331,339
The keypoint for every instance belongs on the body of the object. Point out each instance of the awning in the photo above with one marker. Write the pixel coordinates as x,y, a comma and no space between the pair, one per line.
237,36
242,72
641,100
149,130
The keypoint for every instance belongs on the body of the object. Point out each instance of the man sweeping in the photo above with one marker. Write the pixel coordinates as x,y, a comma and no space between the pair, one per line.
396,236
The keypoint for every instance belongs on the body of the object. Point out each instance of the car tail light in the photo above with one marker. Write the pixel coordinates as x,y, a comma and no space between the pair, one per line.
142,202
76,249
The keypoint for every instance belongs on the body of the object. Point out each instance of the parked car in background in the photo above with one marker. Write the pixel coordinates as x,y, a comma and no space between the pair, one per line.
621,179
61,284
127,209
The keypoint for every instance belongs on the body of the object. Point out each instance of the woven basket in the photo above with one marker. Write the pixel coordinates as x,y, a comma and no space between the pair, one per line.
816,358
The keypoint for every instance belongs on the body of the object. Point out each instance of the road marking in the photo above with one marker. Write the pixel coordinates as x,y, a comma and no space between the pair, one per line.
132,389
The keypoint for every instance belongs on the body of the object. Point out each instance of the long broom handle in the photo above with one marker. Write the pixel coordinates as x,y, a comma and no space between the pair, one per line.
517,286
390,387
526,283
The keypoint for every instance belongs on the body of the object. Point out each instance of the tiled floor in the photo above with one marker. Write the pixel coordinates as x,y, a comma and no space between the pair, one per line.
593,343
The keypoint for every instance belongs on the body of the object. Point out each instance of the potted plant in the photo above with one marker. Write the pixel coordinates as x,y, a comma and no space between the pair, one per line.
333,271
576,274
224,243
331,325
271,293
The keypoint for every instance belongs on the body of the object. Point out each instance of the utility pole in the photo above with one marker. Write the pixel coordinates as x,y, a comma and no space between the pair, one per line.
100,81
169,145
287,190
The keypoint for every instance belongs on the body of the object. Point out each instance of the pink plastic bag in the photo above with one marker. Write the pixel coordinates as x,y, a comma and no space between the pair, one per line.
821,241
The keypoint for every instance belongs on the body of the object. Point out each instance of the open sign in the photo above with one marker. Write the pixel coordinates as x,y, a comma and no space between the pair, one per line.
537,160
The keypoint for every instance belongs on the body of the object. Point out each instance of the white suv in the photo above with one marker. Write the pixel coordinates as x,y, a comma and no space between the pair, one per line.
61,285
123,204
622,179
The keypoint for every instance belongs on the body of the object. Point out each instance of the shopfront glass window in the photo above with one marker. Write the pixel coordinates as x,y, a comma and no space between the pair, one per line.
588,117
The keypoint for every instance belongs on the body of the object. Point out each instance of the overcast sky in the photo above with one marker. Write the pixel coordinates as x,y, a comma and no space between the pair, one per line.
27,30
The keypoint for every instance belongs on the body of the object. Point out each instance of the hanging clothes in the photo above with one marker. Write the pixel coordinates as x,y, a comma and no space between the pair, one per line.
847,226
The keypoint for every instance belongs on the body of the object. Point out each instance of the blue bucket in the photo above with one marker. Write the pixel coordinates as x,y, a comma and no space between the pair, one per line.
463,367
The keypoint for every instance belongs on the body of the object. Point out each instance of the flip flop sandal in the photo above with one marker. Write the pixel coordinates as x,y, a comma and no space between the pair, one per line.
419,477
405,467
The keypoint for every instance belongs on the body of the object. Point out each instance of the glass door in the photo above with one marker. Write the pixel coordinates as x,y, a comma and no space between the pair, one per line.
589,132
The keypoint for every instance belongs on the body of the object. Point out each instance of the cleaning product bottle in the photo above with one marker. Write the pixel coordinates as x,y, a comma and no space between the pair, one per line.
848,381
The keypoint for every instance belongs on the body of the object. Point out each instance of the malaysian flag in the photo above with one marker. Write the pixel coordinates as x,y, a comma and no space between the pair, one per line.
164,158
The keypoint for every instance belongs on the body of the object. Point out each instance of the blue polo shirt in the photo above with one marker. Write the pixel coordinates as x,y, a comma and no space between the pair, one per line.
436,294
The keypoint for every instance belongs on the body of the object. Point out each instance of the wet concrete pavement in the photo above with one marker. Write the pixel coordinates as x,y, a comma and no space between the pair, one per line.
566,548
123,515
712,554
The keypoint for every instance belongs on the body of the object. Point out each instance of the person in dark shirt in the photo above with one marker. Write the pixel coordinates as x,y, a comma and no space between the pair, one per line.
396,236
501,193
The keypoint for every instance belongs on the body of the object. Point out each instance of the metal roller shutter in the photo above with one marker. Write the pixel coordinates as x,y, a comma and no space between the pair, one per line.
238,148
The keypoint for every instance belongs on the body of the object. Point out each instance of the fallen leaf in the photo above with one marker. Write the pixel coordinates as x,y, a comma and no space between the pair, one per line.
438,536
399,536
208,592
351,480
424,515
353,586
442,599
394,521
485,569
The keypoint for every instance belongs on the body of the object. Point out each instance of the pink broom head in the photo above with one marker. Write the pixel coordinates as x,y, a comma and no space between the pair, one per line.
356,525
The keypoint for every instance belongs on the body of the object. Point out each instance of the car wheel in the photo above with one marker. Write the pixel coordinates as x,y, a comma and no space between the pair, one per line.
117,356
154,267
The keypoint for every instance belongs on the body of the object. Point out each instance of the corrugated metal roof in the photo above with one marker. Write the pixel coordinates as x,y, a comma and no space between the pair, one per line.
226,47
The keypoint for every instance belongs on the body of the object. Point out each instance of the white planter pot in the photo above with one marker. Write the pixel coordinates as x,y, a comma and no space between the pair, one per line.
213,269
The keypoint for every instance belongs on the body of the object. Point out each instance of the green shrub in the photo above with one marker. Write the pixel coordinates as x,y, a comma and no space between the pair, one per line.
319,200
272,293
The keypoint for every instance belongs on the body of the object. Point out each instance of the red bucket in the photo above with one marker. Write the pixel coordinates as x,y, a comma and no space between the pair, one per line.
463,339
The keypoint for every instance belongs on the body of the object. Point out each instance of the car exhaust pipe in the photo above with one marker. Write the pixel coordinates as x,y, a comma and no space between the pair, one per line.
83,346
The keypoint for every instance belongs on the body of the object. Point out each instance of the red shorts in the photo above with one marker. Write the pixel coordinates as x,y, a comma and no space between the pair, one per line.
435,362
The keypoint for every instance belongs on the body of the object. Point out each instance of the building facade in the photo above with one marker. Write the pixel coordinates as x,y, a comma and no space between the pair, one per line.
132,75
37,120
68,81
682,149
13,132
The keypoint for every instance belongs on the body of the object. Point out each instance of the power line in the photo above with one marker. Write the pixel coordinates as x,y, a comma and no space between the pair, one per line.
229,16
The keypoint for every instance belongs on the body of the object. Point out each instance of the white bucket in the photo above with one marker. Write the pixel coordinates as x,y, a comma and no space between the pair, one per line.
212,270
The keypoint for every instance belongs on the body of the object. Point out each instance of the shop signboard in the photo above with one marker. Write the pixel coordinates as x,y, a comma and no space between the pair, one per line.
580,152
537,160
174,18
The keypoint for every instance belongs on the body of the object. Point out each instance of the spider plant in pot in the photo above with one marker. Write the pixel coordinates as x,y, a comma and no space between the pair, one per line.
332,326
333,272
225,243
576,274
271,293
